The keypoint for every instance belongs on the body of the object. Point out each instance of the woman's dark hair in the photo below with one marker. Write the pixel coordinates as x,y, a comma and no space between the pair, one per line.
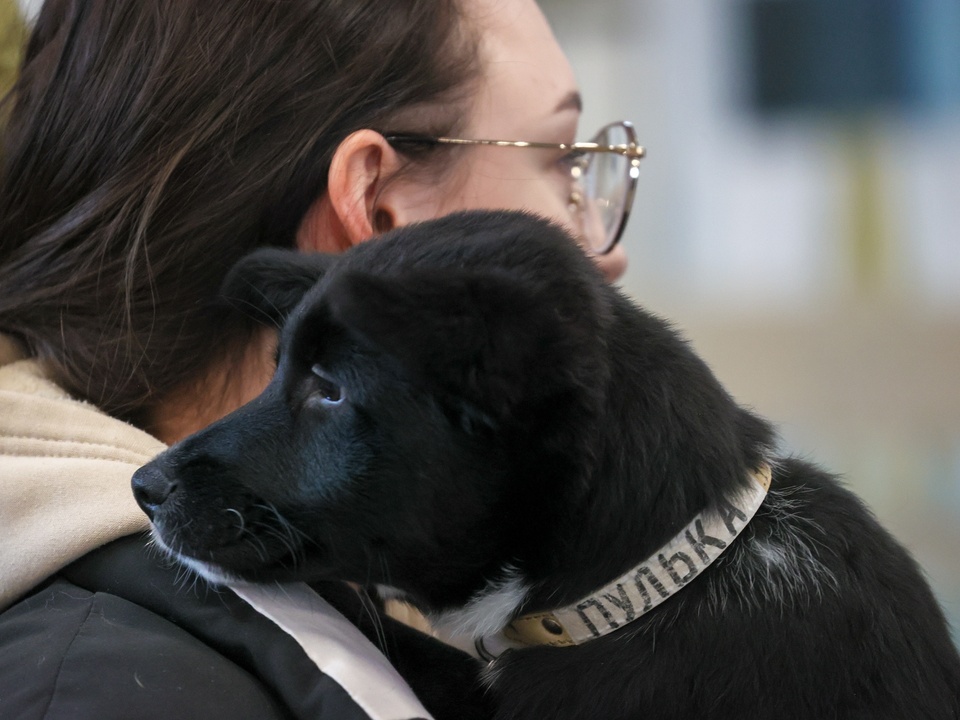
152,143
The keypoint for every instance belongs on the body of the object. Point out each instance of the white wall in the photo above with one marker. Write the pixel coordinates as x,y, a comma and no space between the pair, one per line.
748,215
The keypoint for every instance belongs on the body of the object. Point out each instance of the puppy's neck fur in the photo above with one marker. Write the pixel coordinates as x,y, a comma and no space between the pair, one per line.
488,611
704,450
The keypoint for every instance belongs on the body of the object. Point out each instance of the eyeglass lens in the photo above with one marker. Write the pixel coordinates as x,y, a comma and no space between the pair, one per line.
606,182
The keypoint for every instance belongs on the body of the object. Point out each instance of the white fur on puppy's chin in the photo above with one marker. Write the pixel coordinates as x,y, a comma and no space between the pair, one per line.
209,572
488,611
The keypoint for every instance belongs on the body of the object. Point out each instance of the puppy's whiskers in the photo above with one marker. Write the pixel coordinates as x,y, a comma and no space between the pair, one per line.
187,578
289,537
259,546
241,521
371,612
384,569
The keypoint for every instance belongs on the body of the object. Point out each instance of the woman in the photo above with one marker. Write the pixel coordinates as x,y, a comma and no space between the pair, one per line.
150,144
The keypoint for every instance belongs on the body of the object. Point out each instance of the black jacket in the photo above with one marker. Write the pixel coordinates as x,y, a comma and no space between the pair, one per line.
122,634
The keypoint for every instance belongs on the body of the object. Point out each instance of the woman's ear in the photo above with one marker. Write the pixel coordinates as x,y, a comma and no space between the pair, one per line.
357,204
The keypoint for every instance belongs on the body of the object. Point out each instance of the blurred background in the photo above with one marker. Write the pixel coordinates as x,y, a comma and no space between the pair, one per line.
798,219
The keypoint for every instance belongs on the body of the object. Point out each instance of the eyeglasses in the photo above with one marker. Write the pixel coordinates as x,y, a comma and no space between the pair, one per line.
603,175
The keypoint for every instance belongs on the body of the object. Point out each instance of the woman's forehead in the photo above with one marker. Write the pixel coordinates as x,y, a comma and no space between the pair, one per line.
527,79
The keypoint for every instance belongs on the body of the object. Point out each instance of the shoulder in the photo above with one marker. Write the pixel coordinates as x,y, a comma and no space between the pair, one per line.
118,634
66,651
69,652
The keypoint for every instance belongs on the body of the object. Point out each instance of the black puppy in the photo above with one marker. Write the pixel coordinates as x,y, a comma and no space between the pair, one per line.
465,415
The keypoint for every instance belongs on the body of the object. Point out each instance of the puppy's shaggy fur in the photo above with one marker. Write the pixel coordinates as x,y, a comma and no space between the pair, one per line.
466,415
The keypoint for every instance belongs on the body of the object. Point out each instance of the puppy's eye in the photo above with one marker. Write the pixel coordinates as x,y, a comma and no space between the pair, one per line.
326,389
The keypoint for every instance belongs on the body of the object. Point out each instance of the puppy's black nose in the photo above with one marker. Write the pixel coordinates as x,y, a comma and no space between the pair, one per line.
151,488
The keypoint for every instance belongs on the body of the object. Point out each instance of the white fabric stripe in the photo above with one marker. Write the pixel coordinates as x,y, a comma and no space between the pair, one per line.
337,647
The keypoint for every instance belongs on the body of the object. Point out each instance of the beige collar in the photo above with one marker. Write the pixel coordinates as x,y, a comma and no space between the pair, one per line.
643,587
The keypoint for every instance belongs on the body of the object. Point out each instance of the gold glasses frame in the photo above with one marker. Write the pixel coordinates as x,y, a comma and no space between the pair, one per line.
630,150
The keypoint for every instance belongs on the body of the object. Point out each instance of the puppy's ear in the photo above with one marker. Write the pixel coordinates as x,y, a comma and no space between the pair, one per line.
268,283
481,338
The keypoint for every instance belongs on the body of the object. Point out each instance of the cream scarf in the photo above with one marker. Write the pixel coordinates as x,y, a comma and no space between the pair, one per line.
65,472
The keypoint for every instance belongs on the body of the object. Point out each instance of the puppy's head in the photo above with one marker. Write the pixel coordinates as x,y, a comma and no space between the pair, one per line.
432,387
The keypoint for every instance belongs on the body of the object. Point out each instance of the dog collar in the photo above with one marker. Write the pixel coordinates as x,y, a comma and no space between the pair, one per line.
643,587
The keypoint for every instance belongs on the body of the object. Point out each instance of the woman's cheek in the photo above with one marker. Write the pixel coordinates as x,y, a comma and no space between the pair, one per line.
613,264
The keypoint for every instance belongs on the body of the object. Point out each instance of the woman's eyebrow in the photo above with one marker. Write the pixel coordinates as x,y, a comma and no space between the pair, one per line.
571,101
